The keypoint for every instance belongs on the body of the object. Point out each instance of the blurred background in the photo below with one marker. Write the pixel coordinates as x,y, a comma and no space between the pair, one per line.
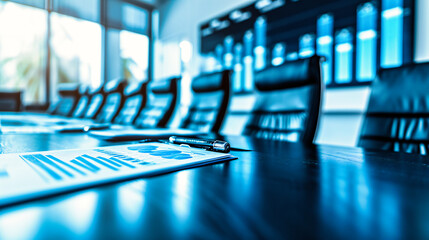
44,43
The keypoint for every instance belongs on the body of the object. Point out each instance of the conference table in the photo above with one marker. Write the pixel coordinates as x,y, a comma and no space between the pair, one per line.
276,190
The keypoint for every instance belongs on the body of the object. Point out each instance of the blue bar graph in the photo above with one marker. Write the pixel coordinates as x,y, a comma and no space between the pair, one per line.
110,161
65,164
88,164
82,165
260,43
32,159
228,56
325,26
392,33
219,57
52,164
100,162
278,54
238,68
343,56
248,61
366,48
306,46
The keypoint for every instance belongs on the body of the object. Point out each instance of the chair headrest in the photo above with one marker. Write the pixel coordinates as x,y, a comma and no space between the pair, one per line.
211,82
134,88
288,75
164,86
401,90
115,85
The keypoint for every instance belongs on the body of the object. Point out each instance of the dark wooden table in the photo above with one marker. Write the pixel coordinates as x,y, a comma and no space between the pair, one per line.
279,190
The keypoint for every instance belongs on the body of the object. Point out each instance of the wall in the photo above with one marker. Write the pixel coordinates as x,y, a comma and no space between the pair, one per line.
343,107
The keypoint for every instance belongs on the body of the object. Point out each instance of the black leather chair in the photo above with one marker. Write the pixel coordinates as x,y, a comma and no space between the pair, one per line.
83,101
286,105
10,101
135,100
113,96
96,102
69,96
397,117
210,98
162,100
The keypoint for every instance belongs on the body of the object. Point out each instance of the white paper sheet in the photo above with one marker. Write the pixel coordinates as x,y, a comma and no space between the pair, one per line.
31,175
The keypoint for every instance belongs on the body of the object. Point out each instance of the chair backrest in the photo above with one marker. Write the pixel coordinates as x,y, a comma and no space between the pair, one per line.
68,101
162,100
95,103
210,98
10,101
114,100
135,100
397,116
83,101
286,105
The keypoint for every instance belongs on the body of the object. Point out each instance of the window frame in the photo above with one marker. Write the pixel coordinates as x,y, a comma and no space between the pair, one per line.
48,6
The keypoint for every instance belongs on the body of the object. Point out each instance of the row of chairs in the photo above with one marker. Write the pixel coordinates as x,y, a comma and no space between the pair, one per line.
286,105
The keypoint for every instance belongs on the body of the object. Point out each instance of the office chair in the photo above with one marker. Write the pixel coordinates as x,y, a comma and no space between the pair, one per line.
96,102
162,100
113,96
397,117
68,101
10,101
82,102
135,100
286,105
210,99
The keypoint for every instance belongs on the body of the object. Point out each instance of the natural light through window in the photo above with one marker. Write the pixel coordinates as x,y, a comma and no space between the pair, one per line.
76,51
134,55
22,50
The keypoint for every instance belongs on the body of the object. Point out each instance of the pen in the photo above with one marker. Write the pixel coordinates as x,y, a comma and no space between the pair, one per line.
212,145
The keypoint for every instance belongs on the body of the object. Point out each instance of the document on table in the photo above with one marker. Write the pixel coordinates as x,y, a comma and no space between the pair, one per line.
26,176
36,123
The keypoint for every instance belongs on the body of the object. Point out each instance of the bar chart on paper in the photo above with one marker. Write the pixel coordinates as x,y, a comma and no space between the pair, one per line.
32,175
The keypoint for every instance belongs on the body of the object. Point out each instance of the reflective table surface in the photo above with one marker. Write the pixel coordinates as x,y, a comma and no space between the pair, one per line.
278,190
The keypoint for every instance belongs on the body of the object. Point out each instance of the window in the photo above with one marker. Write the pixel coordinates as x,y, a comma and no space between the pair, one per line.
81,46
127,42
134,55
76,51
23,50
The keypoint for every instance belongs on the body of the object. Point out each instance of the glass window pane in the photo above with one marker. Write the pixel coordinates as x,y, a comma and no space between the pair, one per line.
128,55
23,50
126,16
134,55
85,9
76,51
34,3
